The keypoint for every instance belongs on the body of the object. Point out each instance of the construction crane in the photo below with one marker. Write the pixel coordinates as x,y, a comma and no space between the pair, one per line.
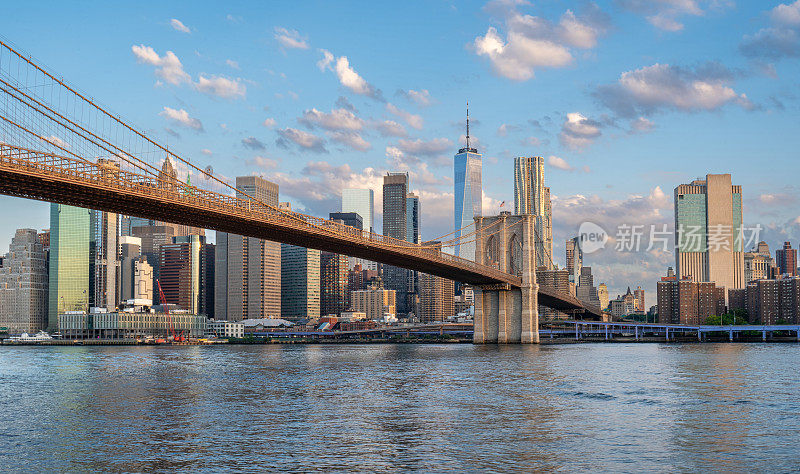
175,338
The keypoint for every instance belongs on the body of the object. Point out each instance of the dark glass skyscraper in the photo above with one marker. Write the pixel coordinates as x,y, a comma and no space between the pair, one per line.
395,221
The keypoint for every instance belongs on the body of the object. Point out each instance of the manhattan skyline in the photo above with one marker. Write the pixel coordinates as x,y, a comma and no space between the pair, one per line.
303,102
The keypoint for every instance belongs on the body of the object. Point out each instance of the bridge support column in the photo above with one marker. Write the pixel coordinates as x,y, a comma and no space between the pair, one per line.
508,314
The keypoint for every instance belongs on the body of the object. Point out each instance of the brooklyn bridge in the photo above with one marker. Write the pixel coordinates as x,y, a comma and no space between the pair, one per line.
59,145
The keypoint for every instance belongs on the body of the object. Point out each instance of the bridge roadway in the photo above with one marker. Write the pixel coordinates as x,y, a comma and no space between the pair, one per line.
48,177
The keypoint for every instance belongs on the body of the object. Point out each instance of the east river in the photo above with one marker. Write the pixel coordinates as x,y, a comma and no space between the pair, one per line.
383,407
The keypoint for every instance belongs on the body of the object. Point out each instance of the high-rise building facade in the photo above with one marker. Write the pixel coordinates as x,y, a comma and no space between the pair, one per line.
638,295
395,220
187,274
248,270
557,280
334,294
758,264
786,259
532,197
602,295
23,284
69,261
468,192
130,249
684,301
585,290
103,259
376,303
708,231
574,256
362,202
436,302
300,282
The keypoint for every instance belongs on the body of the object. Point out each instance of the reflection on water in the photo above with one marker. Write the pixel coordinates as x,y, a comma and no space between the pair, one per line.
617,407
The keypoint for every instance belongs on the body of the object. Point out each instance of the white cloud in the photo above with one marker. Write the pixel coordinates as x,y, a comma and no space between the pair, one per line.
182,118
337,119
578,131
206,152
221,87
390,128
780,40
348,77
290,38
431,147
559,163
304,140
421,97
413,121
179,26
57,141
264,162
533,42
351,139
642,125
232,63
665,14
168,67
268,122
650,88
253,143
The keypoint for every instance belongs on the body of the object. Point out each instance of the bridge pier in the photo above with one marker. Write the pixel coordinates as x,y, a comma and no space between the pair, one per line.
506,314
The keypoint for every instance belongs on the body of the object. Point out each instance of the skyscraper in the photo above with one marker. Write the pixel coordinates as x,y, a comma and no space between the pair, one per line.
130,249
334,295
248,270
300,283
395,220
23,284
413,213
103,259
531,196
786,259
574,259
708,231
468,191
361,201
180,264
69,261
602,295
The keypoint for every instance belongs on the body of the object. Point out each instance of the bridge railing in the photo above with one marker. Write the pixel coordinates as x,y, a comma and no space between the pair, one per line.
107,175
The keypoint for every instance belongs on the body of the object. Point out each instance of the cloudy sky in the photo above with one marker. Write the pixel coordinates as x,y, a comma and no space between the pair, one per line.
625,99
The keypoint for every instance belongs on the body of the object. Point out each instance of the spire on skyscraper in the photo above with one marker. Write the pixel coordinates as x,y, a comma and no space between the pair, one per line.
467,147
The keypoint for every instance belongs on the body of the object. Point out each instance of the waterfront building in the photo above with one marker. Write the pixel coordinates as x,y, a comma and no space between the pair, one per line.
685,301
184,273
468,192
130,325
248,270
378,304
395,220
708,231
532,197
24,285
300,282
786,259
334,294
225,329
602,295
774,301
69,261
436,302
103,264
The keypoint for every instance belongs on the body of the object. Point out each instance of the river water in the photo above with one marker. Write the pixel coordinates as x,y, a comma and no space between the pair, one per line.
385,407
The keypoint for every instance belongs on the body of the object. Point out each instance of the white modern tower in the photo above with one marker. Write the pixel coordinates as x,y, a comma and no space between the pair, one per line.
468,194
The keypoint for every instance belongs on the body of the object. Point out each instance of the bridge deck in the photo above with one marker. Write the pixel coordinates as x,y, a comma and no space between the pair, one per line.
48,177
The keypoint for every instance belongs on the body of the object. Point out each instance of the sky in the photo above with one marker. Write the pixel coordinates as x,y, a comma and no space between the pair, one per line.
625,100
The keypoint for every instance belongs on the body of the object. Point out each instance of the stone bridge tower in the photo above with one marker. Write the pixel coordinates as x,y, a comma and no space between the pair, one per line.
506,314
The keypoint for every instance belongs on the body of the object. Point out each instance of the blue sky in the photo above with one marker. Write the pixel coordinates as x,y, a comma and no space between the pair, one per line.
624,99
